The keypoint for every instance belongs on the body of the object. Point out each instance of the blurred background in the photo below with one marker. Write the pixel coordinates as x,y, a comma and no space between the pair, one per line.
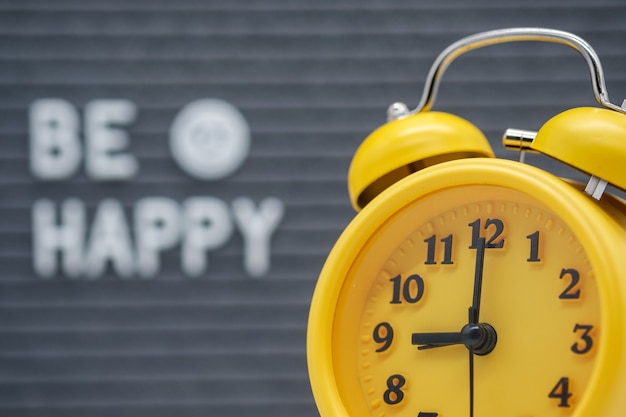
138,281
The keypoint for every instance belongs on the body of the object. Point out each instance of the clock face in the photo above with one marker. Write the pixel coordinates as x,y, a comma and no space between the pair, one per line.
471,301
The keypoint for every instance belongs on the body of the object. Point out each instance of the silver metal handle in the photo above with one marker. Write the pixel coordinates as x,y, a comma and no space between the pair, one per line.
493,37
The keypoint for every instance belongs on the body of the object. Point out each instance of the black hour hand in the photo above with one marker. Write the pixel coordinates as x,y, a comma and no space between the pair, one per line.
481,338
436,339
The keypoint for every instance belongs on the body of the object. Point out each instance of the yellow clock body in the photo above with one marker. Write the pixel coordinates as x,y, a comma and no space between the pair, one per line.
404,273
474,286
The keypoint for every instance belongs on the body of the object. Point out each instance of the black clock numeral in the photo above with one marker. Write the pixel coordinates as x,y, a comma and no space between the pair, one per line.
586,341
431,249
497,230
394,394
570,292
561,392
534,247
383,333
410,291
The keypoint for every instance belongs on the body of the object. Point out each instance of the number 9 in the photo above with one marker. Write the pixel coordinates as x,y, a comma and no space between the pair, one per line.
383,333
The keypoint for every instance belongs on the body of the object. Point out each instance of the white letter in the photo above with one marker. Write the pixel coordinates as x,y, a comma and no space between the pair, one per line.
109,241
257,227
157,227
54,142
208,226
209,139
105,140
66,238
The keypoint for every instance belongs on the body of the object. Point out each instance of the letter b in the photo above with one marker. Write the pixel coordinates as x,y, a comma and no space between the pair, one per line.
55,150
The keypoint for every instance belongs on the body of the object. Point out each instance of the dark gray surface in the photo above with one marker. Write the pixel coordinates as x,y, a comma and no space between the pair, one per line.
312,79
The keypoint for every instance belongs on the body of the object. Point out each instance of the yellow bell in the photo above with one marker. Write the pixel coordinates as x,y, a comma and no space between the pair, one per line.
403,146
590,139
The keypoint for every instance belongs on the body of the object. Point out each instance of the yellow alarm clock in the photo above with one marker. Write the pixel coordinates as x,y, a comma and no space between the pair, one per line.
469,285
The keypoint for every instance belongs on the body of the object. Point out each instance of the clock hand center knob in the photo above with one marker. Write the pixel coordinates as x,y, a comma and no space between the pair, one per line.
480,337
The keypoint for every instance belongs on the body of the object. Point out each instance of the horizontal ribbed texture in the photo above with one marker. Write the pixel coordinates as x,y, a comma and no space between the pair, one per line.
311,79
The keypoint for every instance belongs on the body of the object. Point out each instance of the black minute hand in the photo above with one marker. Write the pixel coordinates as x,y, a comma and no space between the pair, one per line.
474,312
478,281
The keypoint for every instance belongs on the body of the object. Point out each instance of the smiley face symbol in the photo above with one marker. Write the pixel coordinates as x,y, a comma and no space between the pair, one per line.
209,139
